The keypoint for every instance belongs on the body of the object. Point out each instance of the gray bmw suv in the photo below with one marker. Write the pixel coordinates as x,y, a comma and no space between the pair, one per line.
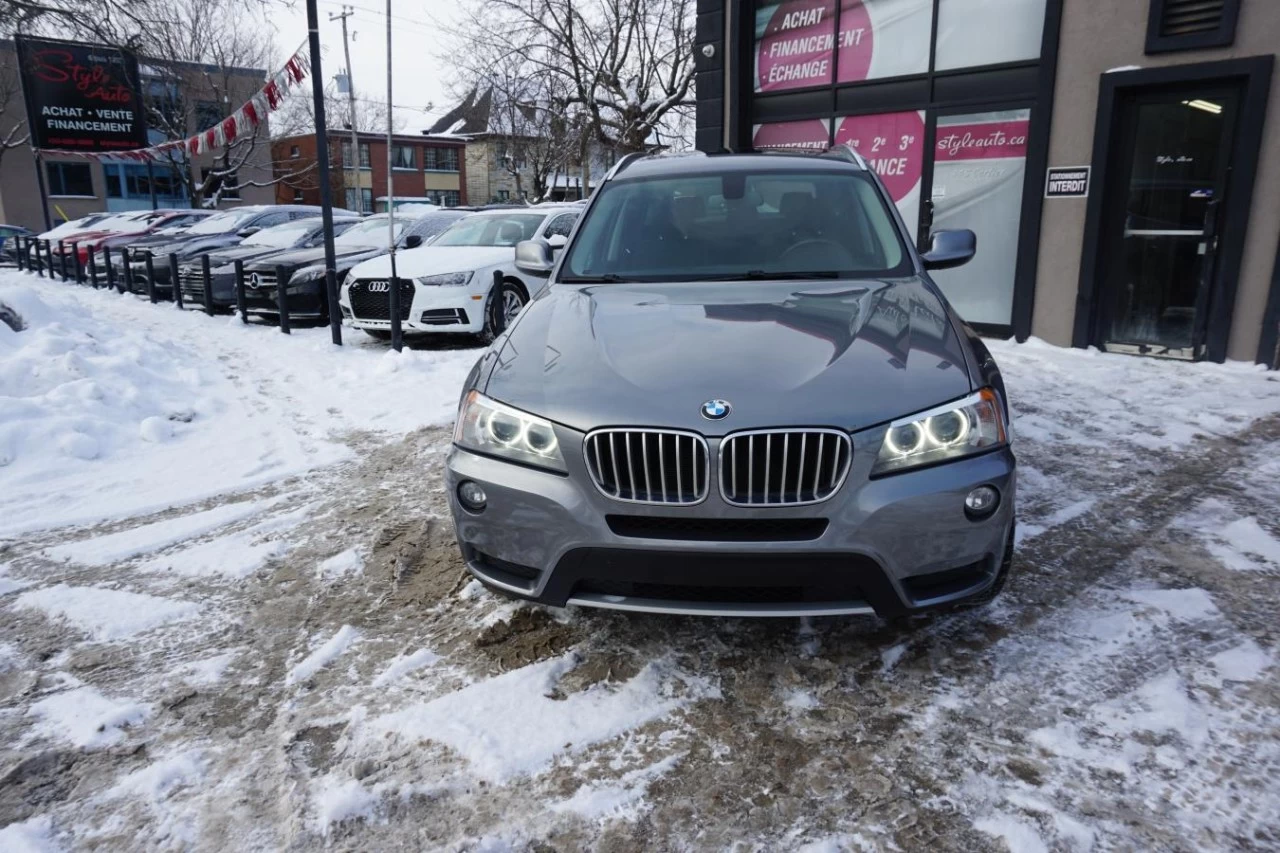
741,395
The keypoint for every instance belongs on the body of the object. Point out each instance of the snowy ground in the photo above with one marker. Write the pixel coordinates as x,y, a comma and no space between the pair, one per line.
232,617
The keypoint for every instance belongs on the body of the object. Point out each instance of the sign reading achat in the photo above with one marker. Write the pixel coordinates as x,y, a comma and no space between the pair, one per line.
81,97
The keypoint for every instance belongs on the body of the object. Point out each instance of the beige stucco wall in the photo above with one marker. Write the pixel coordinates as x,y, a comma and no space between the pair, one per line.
441,181
1098,36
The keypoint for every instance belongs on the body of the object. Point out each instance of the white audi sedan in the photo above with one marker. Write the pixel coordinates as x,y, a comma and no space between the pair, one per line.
450,284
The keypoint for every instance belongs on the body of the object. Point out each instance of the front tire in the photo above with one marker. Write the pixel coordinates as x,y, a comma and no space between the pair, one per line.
504,304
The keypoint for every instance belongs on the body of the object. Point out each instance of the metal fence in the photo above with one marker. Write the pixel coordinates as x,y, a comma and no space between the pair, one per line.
98,269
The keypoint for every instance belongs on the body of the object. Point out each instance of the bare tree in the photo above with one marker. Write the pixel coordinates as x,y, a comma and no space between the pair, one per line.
529,122
217,51
13,122
626,66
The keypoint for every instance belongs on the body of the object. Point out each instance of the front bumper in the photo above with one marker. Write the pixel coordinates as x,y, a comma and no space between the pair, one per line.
433,309
887,546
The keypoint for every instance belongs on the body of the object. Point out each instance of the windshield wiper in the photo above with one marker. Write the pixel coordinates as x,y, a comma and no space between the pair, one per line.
765,275
607,278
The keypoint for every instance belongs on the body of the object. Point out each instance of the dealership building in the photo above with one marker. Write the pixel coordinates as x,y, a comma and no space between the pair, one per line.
1119,161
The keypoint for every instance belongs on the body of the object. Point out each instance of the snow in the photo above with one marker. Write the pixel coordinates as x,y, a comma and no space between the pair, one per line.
161,778
106,614
405,664
235,557
1245,662
8,584
508,726
207,670
1241,543
343,563
86,718
340,800
1018,835
29,836
104,550
623,799
326,654
133,407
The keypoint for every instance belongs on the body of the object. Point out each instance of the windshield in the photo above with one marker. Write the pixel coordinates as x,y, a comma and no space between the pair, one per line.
490,230
221,223
737,226
369,232
281,236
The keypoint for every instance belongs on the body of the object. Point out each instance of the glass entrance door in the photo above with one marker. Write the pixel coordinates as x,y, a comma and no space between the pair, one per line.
1163,218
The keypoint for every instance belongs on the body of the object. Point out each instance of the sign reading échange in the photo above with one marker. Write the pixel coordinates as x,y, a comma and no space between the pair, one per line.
81,97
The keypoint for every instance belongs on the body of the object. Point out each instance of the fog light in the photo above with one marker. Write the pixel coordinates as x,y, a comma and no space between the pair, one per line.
981,502
471,495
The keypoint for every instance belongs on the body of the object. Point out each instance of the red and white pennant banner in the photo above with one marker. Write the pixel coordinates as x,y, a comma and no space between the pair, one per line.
242,122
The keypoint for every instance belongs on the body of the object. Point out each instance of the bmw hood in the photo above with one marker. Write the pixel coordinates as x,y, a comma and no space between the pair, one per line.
847,354
432,260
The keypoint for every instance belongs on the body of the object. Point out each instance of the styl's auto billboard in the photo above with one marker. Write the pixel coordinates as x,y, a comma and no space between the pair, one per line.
81,97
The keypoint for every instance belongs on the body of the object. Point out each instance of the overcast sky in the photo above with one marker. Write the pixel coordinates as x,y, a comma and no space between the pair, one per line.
420,76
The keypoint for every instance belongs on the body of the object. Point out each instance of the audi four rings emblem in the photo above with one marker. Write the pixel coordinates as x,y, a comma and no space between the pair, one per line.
378,286
254,281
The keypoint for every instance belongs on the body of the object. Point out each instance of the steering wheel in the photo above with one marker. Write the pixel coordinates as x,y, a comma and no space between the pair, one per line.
815,242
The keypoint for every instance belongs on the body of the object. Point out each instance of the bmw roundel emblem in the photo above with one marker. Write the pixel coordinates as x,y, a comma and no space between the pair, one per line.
714,410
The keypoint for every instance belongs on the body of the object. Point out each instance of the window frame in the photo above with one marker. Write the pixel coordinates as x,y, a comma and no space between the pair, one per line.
396,150
59,166
1223,36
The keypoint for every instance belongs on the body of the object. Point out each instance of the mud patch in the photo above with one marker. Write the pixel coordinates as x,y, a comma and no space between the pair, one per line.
530,635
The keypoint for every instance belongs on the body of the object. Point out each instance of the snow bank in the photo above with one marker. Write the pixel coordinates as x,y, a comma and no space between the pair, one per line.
508,726
133,407
1128,402
323,656
105,614
85,717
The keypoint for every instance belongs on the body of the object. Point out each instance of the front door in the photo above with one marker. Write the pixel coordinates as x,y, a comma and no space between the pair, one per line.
1163,216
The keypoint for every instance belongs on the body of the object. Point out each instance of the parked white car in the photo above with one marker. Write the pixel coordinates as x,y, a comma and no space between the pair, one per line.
448,285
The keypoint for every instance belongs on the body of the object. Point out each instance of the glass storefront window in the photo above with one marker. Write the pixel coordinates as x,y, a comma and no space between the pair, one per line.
893,145
883,38
794,44
811,135
966,28
979,166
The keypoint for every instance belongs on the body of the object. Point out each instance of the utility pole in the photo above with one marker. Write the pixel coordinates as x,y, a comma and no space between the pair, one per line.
396,337
347,12
322,168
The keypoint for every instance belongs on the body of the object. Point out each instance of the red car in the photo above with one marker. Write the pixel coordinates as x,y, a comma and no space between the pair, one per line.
149,223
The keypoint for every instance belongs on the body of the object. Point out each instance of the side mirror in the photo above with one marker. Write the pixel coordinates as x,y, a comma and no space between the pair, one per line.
248,232
413,241
533,257
949,249
557,241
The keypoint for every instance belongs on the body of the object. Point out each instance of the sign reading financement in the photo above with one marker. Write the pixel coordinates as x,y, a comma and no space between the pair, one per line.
81,97
1067,182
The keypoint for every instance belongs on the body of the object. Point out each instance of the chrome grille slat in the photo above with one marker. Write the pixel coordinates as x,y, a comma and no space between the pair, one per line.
642,476
741,456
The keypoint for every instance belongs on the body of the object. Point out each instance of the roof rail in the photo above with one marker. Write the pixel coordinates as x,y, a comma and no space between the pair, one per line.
626,161
845,151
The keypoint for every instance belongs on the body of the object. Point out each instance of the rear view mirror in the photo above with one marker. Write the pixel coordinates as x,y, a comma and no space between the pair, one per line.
949,249
534,258
413,241
557,241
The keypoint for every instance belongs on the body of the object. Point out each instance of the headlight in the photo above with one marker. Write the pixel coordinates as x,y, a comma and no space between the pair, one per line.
351,276
488,426
447,279
948,432
308,273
